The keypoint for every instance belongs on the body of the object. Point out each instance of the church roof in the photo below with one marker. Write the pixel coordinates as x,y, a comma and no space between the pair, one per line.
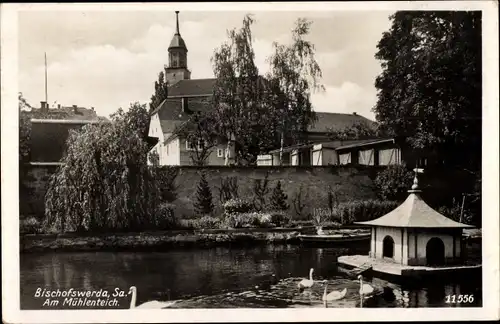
171,115
414,212
192,87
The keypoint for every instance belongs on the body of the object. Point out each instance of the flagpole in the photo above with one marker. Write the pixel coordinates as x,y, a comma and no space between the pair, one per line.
46,99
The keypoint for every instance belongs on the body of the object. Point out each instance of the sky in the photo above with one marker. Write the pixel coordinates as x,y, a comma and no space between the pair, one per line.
109,59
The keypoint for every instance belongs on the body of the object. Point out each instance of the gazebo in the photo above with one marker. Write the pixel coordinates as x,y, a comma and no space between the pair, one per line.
414,234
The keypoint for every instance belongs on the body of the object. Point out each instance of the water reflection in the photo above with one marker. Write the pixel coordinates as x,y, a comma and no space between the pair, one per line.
264,276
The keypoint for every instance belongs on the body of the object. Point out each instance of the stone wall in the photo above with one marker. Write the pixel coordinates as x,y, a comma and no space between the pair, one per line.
350,183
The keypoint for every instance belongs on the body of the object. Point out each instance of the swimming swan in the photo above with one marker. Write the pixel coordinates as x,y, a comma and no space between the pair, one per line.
334,295
365,289
150,304
307,283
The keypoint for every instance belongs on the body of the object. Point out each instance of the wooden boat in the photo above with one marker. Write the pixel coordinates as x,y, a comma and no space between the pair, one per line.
334,238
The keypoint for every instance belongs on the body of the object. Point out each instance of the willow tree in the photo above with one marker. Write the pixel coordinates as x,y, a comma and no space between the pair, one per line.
104,182
242,115
294,75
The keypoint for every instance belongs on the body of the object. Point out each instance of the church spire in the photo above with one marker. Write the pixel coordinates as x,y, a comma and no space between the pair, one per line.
177,23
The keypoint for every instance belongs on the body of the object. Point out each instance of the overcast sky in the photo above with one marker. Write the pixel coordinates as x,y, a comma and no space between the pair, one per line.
109,59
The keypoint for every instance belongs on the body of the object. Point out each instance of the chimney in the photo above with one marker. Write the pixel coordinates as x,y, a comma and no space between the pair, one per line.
75,109
44,107
355,113
184,105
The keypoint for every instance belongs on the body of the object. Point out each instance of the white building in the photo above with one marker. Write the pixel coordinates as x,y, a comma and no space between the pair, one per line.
414,234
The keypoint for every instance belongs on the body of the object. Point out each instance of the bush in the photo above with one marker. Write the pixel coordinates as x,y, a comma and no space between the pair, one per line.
165,217
206,222
279,218
394,182
30,225
361,210
228,189
204,204
248,220
454,211
238,205
260,191
279,198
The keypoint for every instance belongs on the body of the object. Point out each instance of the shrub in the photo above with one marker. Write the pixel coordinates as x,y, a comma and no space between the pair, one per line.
238,205
203,204
394,182
166,180
299,200
165,217
29,225
453,212
361,210
260,190
279,218
206,222
279,198
228,189
247,220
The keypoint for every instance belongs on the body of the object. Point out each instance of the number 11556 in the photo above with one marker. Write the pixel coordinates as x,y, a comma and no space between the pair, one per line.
459,299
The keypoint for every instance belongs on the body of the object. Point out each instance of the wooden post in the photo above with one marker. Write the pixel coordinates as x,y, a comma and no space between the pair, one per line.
462,208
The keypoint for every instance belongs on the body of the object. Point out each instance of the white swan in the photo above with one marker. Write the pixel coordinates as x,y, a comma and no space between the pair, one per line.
334,295
150,304
307,283
365,290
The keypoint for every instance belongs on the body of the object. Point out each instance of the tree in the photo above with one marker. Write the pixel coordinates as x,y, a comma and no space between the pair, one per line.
430,87
204,203
294,73
357,131
161,92
393,182
105,182
199,129
242,116
278,198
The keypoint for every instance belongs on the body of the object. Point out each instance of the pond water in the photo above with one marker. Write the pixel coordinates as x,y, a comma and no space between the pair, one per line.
221,277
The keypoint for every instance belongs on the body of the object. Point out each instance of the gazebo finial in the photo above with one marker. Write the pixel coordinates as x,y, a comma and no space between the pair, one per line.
414,187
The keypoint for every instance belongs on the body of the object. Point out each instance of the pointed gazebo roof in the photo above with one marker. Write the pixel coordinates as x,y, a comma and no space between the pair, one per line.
414,212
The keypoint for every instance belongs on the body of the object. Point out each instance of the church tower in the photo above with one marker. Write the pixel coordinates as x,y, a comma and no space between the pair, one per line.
176,69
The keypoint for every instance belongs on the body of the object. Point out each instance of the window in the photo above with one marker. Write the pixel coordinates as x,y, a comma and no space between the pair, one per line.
220,153
167,148
191,147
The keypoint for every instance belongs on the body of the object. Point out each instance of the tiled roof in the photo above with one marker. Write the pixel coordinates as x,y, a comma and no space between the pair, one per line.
414,212
336,121
194,87
171,115
80,113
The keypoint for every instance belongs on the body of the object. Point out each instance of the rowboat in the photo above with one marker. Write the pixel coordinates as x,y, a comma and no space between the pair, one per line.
334,238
